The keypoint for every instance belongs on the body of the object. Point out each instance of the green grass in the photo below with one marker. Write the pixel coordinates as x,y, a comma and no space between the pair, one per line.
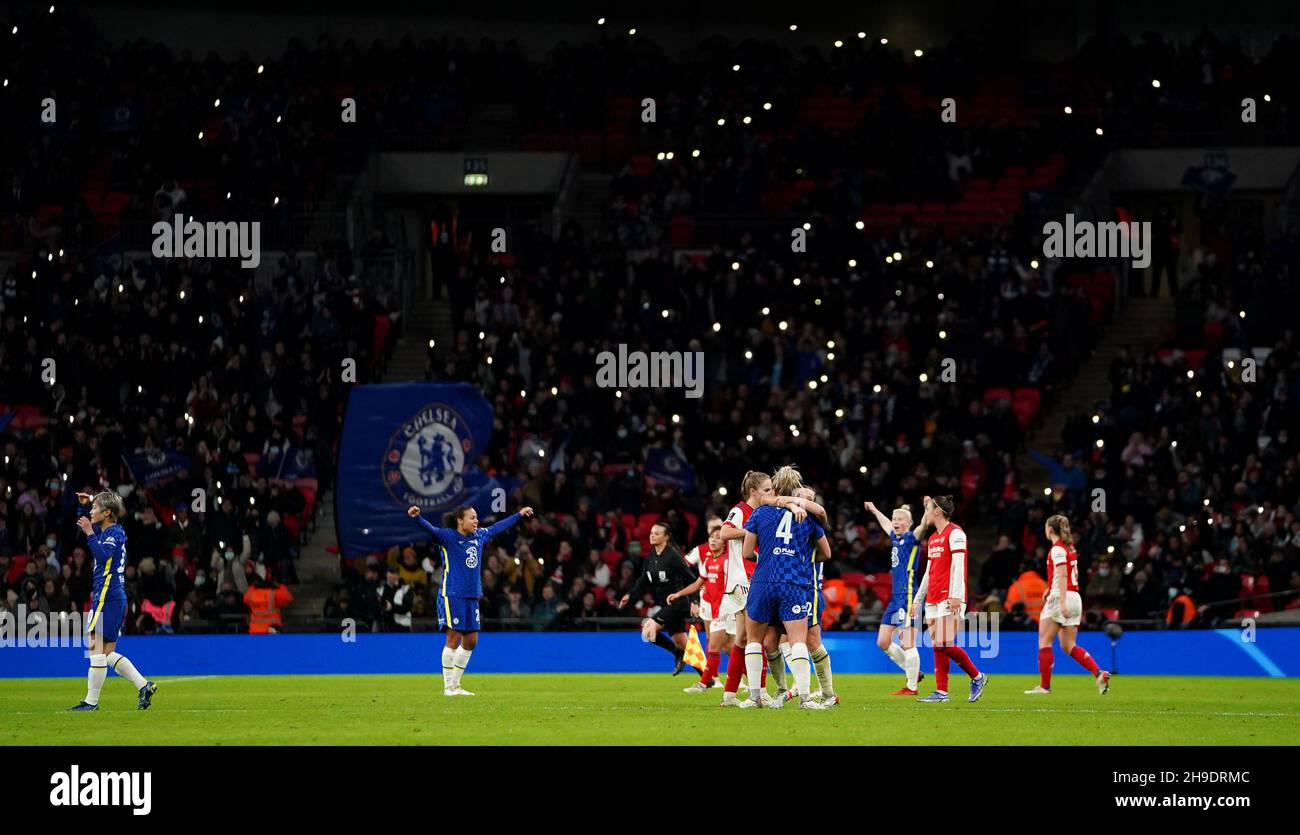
645,710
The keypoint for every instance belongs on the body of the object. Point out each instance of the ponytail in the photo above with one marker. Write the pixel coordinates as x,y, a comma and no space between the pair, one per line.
1061,526
752,481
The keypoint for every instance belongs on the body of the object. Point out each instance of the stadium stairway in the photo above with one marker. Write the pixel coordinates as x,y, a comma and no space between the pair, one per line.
430,319
1140,326
594,197
318,565
318,568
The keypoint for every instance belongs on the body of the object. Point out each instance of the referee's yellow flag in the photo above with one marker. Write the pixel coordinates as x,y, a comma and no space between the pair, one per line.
694,652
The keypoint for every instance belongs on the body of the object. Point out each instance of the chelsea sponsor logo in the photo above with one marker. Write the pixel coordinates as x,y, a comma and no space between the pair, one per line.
424,462
471,557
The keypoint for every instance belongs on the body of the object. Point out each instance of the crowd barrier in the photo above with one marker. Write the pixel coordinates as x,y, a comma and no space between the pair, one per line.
1223,652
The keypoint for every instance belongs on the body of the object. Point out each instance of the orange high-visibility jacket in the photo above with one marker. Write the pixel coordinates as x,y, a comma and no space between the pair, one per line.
264,607
1028,589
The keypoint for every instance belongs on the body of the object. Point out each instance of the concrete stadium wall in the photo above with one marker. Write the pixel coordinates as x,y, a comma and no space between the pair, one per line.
1275,652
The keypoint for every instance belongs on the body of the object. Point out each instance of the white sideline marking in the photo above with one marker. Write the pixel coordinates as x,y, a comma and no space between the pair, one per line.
182,678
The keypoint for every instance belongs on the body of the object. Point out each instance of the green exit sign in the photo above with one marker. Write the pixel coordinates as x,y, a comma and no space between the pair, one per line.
476,172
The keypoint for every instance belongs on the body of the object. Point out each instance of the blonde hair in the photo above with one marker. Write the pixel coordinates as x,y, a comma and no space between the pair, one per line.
906,508
786,480
110,502
1061,525
752,481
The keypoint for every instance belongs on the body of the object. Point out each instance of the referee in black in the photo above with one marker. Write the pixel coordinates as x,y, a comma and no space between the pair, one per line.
665,572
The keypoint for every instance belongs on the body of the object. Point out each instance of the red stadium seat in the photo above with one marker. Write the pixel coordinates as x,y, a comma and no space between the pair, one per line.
681,231
1213,335
1028,395
643,524
693,530
883,586
993,395
854,578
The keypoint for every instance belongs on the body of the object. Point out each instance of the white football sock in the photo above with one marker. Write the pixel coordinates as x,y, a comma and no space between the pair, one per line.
802,670
95,678
821,660
896,654
459,663
776,669
448,665
785,653
123,667
754,668
912,666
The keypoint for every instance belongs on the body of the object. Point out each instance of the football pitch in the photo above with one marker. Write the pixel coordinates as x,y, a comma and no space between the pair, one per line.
528,709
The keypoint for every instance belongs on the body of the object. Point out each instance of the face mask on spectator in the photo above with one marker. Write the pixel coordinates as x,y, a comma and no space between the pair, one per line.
50,542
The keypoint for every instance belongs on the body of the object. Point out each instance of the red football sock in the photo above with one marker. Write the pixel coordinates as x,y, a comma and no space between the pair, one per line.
1081,655
1045,668
963,660
711,671
940,670
735,668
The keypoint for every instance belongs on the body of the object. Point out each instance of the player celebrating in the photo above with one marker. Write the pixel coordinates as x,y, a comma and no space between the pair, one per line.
462,550
753,488
784,547
905,571
776,646
1062,609
712,559
665,572
943,590
819,656
98,519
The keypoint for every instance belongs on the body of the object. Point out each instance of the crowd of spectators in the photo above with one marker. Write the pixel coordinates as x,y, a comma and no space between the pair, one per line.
1194,455
211,402
864,356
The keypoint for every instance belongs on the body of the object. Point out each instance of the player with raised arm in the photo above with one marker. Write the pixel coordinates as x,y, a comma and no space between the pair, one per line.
784,548
1062,609
943,592
462,549
905,570
753,487
712,562
667,575
98,518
